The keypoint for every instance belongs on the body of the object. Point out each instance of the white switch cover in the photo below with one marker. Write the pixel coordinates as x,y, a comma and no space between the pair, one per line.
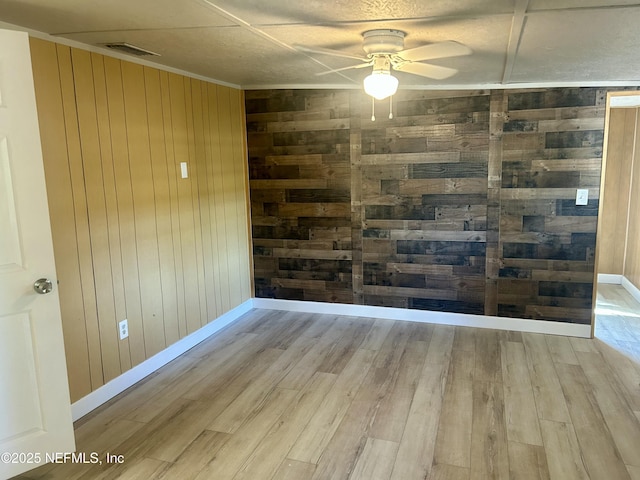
582,196
183,170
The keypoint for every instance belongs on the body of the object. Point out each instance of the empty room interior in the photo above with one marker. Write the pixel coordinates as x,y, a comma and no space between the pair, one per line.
331,240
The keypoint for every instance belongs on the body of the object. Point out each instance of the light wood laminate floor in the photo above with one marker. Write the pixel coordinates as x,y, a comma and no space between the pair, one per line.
315,397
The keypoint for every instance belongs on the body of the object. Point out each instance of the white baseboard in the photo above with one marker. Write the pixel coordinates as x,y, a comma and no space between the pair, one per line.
130,377
119,384
610,278
426,316
620,280
631,288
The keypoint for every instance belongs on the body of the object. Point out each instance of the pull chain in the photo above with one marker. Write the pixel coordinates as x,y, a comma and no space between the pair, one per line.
390,107
373,109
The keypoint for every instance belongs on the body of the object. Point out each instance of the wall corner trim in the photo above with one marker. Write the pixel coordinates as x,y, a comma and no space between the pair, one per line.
427,316
628,286
119,384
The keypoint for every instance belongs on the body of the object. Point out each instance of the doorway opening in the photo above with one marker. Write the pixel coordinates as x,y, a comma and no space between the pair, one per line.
616,319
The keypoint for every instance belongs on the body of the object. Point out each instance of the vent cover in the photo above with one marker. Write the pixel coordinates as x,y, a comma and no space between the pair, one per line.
129,49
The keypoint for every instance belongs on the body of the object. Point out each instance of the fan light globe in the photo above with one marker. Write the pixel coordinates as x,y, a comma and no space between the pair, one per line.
380,85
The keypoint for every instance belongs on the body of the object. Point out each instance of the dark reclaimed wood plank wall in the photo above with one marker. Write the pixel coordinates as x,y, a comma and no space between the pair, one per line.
464,202
551,145
300,181
424,192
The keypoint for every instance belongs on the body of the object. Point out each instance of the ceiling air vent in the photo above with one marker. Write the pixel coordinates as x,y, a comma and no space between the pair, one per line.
129,49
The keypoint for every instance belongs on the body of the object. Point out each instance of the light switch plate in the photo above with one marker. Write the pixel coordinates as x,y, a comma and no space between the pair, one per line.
582,196
183,170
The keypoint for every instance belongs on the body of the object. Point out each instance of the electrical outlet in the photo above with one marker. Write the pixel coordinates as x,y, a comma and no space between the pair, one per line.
123,328
582,196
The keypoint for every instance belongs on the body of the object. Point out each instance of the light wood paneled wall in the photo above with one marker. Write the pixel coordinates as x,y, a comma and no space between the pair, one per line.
632,258
615,207
620,247
132,238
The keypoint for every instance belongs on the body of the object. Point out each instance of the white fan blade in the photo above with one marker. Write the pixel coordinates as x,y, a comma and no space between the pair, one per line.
326,51
435,50
427,70
360,65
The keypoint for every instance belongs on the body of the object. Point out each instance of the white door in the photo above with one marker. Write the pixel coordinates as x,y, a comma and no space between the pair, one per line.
35,411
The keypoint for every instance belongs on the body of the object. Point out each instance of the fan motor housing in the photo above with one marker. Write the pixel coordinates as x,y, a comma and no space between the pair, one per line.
383,41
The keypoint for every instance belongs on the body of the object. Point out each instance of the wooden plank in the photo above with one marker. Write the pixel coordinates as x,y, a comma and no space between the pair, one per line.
113,221
81,226
564,457
97,211
288,183
308,125
453,443
417,446
206,283
489,452
448,472
488,366
573,124
341,453
566,165
228,171
410,158
266,458
181,148
61,210
390,421
124,194
528,462
314,210
619,417
443,185
376,460
560,350
544,194
557,113
239,135
626,372
520,408
210,221
163,204
442,235
601,456
294,470
140,468
550,401
197,455
143,207
194,109
219,198
236,413
323,424
176,240
632,260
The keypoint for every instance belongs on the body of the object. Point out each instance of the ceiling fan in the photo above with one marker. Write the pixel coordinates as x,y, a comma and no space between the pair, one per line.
385,51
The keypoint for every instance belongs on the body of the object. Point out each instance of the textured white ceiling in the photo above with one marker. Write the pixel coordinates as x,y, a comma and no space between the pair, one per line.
250,43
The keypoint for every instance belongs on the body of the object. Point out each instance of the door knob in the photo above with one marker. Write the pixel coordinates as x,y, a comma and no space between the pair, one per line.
43,286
